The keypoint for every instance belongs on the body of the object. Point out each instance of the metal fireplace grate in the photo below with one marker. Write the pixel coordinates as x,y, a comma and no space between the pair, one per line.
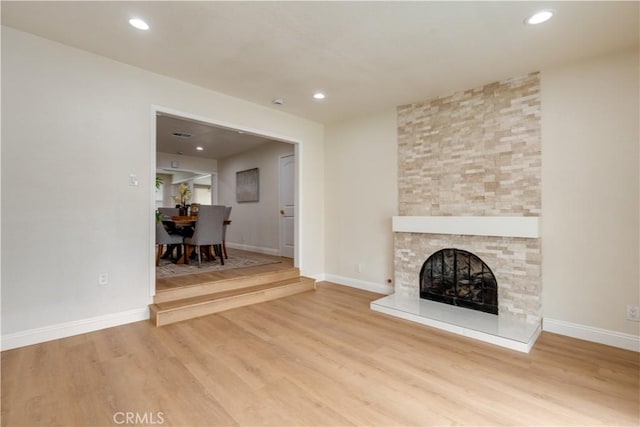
457,277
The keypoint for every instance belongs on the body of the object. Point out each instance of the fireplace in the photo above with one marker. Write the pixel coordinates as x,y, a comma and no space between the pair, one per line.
458,277
490,290
469,178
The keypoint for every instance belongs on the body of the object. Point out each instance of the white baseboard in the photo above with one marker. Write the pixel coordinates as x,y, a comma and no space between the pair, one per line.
589,333
251,248
360,284
319,277
63,330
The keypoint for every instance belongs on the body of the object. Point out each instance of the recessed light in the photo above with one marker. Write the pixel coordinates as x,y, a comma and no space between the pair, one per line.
539,17
199,148
278,101
139,24
318,95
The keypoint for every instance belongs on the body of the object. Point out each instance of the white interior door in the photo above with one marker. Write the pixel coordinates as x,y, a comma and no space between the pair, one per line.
287,205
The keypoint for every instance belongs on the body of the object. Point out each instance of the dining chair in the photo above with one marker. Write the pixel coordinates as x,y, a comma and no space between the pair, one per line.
194,209
165,215
207,232
227,214
163,238
168,212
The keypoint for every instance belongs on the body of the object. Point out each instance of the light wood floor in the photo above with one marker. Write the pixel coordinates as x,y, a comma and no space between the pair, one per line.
194,279
317,358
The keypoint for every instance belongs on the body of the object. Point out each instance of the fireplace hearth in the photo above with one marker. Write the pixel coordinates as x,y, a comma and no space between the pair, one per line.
458,277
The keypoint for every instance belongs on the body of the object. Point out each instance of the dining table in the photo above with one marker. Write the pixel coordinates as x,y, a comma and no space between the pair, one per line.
183,221
187,221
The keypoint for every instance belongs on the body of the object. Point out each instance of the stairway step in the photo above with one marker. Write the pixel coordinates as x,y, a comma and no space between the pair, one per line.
241,282
202,305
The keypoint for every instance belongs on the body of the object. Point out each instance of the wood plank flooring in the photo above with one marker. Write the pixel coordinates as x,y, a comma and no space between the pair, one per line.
194,279
316,358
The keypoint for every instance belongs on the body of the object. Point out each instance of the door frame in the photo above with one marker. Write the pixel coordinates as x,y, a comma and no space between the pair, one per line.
298,200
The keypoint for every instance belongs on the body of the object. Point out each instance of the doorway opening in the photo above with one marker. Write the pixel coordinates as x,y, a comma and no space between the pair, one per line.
207,155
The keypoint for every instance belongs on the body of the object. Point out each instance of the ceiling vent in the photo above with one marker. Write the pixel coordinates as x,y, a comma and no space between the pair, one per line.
182,135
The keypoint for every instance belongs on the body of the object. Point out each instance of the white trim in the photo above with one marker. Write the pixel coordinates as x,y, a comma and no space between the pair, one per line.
360,284
214,188
151,262
322,277
500,226
251,248
297,221
76,327
590,333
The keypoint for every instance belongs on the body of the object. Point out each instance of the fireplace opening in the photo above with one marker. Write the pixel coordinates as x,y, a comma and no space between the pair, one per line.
457,277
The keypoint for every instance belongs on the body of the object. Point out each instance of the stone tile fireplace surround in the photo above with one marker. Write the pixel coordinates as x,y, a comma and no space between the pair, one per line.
469,169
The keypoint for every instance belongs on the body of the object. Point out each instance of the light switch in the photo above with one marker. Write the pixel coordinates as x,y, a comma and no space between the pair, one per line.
103,279
133,180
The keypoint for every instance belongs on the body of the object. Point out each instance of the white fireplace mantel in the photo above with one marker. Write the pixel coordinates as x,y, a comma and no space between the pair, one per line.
498,226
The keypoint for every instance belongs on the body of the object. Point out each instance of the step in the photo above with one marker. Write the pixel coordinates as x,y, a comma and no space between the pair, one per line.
240,282
189,308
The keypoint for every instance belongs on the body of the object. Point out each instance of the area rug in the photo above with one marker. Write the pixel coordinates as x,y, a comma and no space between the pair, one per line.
168,269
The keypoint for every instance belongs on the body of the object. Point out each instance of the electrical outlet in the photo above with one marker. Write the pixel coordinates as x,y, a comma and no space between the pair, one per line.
359,267
103,279
633,313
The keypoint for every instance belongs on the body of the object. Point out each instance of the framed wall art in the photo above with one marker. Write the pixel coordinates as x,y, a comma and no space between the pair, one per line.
247,186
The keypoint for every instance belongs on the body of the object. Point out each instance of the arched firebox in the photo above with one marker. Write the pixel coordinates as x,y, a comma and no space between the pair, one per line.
458,277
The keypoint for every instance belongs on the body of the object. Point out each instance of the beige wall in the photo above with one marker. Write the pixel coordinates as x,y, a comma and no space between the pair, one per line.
361,198
87,120
255,225
590,186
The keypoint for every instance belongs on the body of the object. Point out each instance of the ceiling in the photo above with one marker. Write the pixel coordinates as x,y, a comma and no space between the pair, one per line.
365,56
216,142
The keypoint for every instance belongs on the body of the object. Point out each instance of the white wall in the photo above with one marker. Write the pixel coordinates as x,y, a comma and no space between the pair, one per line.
590,186
87,120
361,197
254,225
